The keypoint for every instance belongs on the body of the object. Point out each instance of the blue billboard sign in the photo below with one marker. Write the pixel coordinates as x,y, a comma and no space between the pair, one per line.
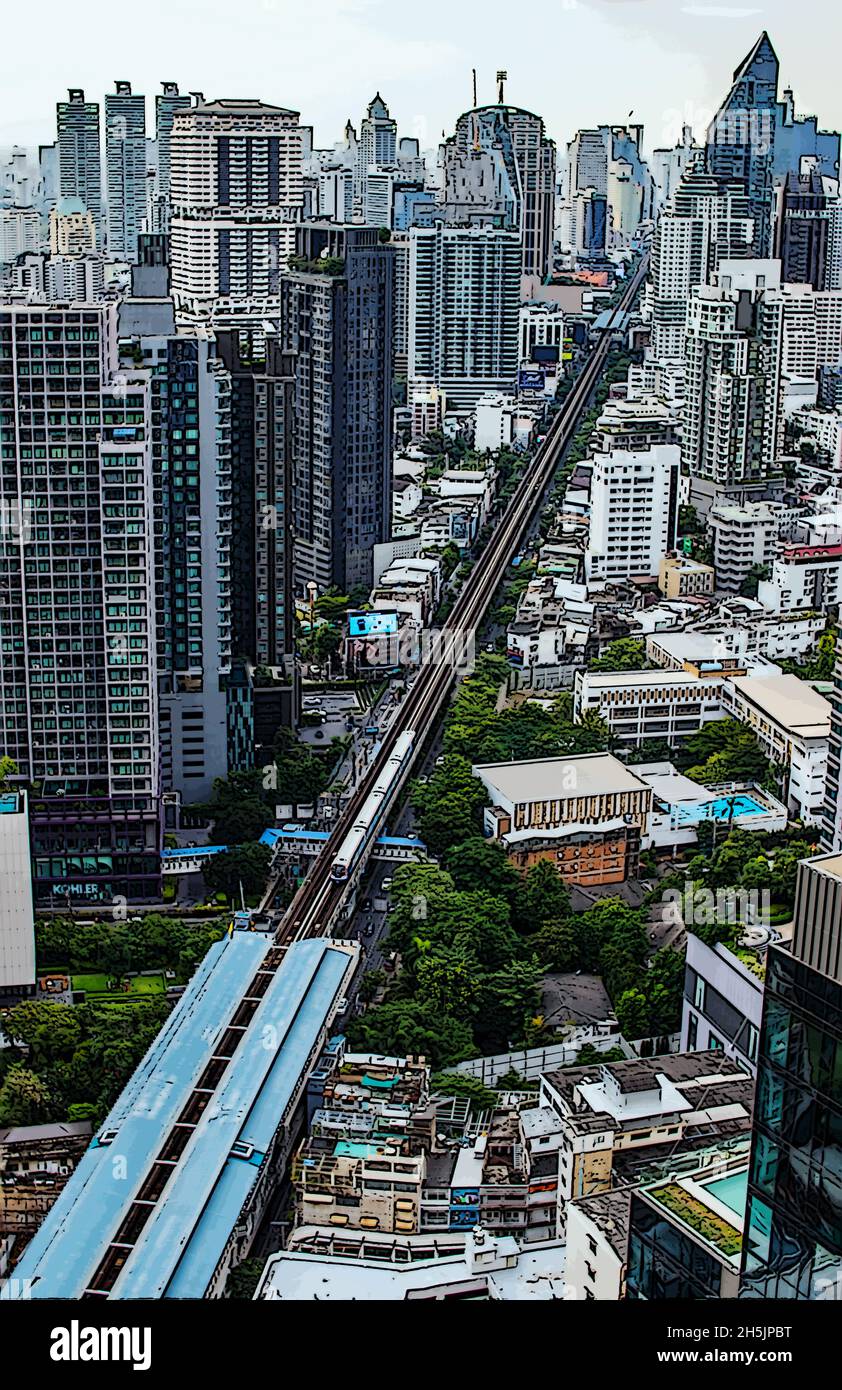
372,624
530,381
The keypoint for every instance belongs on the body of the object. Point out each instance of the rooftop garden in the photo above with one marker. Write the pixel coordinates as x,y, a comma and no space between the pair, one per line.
322,265
699,1218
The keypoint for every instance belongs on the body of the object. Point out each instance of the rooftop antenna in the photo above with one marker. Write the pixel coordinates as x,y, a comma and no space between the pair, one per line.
501,78
474,74
475,118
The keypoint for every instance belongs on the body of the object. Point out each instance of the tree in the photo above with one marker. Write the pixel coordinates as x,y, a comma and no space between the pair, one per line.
246,865
478,865
404,1026
544,899
556,946
625,654
632,1012
8,770
470,1087
751,583
240,808
24,1098
301,774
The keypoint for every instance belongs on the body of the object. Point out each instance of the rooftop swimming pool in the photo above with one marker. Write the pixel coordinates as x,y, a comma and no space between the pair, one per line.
722,808
732,1191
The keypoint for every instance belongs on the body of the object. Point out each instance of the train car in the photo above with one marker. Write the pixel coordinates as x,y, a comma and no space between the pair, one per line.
367,824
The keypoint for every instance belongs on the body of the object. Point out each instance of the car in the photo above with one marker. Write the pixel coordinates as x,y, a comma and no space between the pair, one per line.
367,905
319,733
440,761
489,646
411,835
385,883
369,930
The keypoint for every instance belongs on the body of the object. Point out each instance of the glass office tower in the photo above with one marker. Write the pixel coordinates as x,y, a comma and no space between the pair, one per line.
793,1243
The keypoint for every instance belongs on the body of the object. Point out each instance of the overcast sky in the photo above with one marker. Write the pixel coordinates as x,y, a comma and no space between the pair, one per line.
576,62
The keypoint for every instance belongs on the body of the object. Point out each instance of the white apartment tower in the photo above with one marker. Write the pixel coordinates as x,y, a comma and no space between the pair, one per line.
634,510
733,425
464,311
237,193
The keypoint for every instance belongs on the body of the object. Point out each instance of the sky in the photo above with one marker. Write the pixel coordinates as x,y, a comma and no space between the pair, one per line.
575,62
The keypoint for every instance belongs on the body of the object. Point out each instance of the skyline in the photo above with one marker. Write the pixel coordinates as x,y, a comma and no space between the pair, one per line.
425,78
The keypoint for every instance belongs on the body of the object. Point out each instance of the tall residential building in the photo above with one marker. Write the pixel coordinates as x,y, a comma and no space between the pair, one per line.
793,1235
500,163
337,312
262,599
707,220
608,159
809,231
167,102
125,169
464,311
78,698
741,137
798,138
17,918
669,166
733,425
634,510
190,403
832,829
587,161
80,173
236,189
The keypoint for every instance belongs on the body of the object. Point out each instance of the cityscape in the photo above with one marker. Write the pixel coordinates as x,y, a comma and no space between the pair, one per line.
421,694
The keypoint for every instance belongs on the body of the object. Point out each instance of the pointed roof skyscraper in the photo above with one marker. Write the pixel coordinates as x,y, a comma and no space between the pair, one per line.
741,137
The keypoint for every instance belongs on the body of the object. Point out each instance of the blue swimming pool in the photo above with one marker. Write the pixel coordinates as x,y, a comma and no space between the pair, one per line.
722,808
732,1191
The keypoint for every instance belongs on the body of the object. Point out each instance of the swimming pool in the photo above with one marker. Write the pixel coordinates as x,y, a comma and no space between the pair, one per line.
722,808
732,1191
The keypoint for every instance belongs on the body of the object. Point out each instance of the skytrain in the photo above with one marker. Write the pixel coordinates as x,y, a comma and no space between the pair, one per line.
368,823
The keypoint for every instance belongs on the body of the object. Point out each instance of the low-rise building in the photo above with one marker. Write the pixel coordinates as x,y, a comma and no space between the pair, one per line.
584,814
680,805
680,577
640,706
35,1163
804,577
791,722
744,536
619,1118
686,1235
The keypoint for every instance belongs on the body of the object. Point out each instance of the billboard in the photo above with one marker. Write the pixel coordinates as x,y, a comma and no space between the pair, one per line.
530,380
372,624
545,352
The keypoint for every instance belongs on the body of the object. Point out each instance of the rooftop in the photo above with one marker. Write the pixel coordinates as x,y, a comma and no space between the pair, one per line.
179,1247
789,701
543,779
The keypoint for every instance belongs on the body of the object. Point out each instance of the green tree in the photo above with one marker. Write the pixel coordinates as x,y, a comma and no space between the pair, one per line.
632,1012
246,865
479,865
625,654
24,1098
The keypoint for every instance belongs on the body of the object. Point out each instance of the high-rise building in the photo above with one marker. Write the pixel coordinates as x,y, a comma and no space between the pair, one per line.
832,828
500,164
377,143
125,169
608,160
236,190
464,311
17,918
741,137
809,231
733,425
262,600
634,510
80,172
707,220
798,138
337,312
669,166
793,1235
78,698
167,102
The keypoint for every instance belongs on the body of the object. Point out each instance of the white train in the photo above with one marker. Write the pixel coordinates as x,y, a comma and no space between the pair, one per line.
368,824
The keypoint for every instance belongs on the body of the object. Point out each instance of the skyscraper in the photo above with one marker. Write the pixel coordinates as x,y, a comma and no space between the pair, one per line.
377,143
78,697
832,828
337,309
464,311
125,169
80,173
500,165
236,188
793,1240
733,426
741,137
167,102
707,220
809,231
